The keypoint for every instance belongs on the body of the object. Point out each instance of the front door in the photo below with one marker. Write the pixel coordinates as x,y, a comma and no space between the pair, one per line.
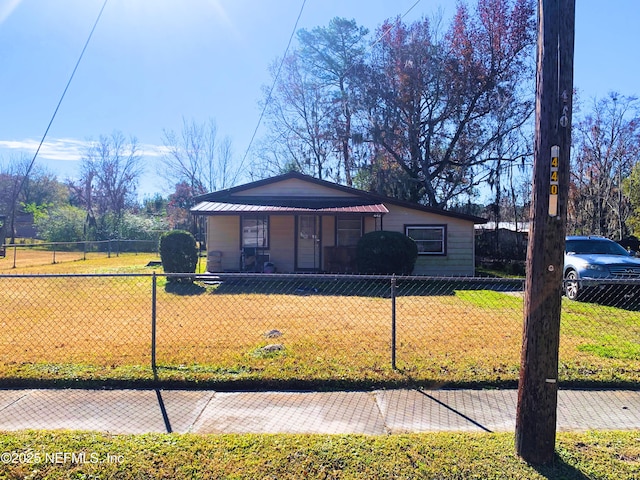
308,243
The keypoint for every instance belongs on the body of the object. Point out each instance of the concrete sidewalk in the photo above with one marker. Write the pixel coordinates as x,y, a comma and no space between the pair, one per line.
375,413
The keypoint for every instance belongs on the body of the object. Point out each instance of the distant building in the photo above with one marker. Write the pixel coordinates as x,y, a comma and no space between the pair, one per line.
23,224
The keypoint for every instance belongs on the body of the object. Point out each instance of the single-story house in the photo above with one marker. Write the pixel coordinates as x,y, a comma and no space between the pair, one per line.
297,223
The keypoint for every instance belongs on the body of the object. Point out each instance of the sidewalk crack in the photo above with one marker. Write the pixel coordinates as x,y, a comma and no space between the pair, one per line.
375,394
189,430
14,402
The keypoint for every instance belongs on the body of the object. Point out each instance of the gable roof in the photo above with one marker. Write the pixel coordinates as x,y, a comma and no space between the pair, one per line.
345,198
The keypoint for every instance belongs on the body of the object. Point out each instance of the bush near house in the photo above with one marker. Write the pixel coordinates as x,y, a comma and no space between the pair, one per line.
385,252
178,253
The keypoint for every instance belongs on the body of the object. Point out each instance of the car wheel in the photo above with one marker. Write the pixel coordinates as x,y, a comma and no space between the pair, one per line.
572,287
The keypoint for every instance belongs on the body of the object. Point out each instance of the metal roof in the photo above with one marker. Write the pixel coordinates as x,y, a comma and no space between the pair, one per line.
209,208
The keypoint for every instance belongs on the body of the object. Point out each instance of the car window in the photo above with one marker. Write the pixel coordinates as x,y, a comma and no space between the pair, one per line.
594,247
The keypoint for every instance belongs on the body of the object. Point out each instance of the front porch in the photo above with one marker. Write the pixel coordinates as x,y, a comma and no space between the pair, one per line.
261,242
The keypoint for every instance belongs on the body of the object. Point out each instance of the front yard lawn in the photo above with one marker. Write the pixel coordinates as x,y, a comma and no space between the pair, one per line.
328,333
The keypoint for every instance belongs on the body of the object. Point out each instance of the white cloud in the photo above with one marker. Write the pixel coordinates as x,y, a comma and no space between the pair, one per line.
57,149
149,150
67,149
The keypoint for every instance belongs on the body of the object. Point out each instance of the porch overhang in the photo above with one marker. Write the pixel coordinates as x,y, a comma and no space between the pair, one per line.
223,208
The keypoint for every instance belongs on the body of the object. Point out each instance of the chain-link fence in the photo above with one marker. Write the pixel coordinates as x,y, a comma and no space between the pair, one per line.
42,253
286,330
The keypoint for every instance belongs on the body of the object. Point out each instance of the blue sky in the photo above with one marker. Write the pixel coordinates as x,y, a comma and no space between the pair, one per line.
152,62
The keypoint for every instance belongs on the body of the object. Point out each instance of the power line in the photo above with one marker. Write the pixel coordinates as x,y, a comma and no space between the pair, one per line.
273,85
61,98
384,34
16,192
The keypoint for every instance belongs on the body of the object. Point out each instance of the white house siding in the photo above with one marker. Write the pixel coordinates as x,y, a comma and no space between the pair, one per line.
459,259
223,235
292,187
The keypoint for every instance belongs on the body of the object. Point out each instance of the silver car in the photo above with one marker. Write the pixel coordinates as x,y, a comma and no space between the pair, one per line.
596,260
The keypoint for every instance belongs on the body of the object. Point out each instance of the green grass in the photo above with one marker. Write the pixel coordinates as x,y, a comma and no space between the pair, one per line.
450,456
605,332
613,347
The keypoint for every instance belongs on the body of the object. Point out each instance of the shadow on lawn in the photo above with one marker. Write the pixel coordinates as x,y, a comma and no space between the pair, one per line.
163,378
623,298
332,285
185,288
559,469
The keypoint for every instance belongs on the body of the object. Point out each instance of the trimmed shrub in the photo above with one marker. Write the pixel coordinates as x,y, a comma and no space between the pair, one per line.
179,254
385,252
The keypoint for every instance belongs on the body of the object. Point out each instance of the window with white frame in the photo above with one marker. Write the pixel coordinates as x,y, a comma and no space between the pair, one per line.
431,239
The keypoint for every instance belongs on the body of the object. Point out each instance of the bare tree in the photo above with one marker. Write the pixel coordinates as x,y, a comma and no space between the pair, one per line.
223,169
299,117
12,177
111,168
607,146
194,156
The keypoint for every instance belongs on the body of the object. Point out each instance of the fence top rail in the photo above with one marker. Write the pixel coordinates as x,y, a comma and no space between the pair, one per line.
346,276
79,242
221,277
75,275
270,277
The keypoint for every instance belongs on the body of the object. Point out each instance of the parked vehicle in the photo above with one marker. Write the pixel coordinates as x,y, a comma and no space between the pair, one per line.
591,262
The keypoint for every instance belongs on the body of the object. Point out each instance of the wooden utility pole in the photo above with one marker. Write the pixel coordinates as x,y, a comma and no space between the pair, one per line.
538,386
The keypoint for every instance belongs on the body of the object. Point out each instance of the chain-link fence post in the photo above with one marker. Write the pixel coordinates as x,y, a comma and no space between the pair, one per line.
393,322
153,321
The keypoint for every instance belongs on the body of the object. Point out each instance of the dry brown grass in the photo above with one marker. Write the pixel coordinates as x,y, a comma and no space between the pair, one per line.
106,322
100,327
30,260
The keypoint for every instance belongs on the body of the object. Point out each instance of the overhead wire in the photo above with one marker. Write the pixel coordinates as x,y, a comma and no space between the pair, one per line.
273,85
384,34
262,113
55,112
